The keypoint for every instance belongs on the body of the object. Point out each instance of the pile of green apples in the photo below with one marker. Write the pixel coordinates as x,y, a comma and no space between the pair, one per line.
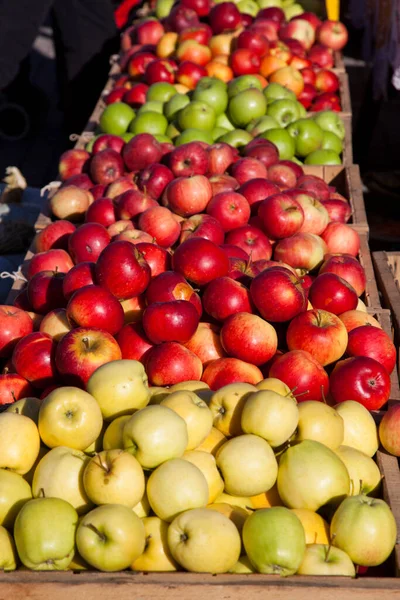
234,113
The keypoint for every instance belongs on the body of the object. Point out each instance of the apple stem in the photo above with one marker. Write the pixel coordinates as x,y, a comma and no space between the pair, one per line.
184,537
323,395
96,531
250,261
302,393
13,396
85,340
41,493
361,486
329,548
105,467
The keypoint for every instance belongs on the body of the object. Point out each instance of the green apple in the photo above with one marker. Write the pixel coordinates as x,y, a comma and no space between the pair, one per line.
197,115
330,141
262,124
29,407
236,138
110,537
360,429
174,105
149,122
151,106
276,91
44,534
163,8
223,121
116,118
162,91
250,7
163,139
323,157
365,529
268,3
307,136
293,11
321,559
329,120
311,475
89,145
218,132
172,131
302,110
243,566
282,140
364,472
246,106
213,92
14,492
284,111
274,541
243,83
127,136
194,135
8,552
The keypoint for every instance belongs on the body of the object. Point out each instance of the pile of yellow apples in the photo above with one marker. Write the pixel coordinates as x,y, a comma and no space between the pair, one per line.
240,480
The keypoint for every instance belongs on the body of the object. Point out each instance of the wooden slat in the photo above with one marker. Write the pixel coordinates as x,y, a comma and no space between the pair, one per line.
389,466
339,63
372,298
383,316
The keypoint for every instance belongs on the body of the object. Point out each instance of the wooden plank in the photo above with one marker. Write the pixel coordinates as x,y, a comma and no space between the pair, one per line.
344,92
389,467
383,316
372,298
338,61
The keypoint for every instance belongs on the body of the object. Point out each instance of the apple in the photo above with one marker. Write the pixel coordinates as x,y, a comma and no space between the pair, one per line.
198,115
141,151
323,157
45,291
79,276
253,41
205,461
119,186
170,321
160,224
281,215
277,294
338,211
374,343
205,343
102,211
51,260
224,297
15,492
220,157
106,166
268,550
54,236
203,226
87,242
116,118
360,431
133,342
285,111
107,141
14,325
249,338
33,359
315,527
388,430
332,34
302,373
357,318
252,240
195,413
187,196
347,267
271,416
233,251
248,168
53,546
170,363
200,261
70,203
283,174
332,293
244,61
224,17
72,162
283,141
364,472
122,270
213,442
157,555
362,379
223,371
227,406
13,387
316,217
304,251
245,106
341,239
8,555
323,559
321,423
82,351
321,56
355,516
94,306
171,286
132,203
314,185
188,160
110,537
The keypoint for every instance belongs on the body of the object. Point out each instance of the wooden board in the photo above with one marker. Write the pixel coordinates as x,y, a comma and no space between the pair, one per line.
384,317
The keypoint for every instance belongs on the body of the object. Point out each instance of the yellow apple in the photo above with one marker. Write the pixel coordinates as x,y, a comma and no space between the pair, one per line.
97,445
195,412
323,559
156,555
60,475
29,475
236,514
110,537
315,527
157,394
56,324
155,434
360,430
119,387
243,566
8,553
207,465
365,476
204,541
189,386
112,438
320,422
226,406
361,306
213,442
29,407
276,385
175,486
271,416
114,477
19,442
267,499
143,508
240,501
14,492
248,465
69,417
78,564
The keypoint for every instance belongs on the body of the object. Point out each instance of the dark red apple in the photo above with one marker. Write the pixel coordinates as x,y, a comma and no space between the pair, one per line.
220,156
203,226
79,276
252,240
33,359
132,203
106,166
45,291
307,379
372,342
133,342
161,224
362,379
122,270
332,293
224,17
94,306
170,286
256,190
281,216
189,159
224,297
348,268
170,321
14,325
87,242
200,261
154,179
158,259
102,211
141,151
108,142
278,294
170,363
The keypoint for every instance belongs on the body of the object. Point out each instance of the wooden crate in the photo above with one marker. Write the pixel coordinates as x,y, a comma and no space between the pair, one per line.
384,317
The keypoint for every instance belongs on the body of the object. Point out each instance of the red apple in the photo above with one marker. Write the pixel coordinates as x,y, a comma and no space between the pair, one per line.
182,17
132,203
154,179
201,7
95,307
224,17
314,185
133,342
102,211
13,387
224,371
115,95
188,196
362,379
202,33
200,261
106,166
338,211
45,291
320,333
51,260
264,151
267,27
119,227
389,430
310,17
252,240
81,181
170,286
307,96
332,34
119,186
254,41
357,318
170,321
282,175
374,343
141,151
326,81
148,31
203,226
33,359
299,29
98,191
249,338
54,236
161,224
82,351
247,169
303,251
14,325
309,76
303,374
332,293
189,74
170,363
134,236
341,239
223,183
78,277
206,343
244,62
234,251
189,159
138,62
72,162
274,13
87,242
278,294
321,56
281,216
108,142
256,190
122,270
220,157
230,209
242,270
316,217
326,101
348,268
224,297
158,259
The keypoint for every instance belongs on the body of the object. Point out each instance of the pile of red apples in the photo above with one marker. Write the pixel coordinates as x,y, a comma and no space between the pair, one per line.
203,265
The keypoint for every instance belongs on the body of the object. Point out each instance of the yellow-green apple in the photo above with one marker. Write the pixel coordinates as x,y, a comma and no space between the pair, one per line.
320,422
227,405
204,541
267,499
70,203
112,438
8,553
302,373
110,537
365,476
28,407
236,514
55,324
207,465
70,417
206,343
249,338
224,371
270,416
189,386
243,566
275,385
240,501
360,430
365,529
157,394
327,479
320,333
14,325
357,318
213,442
155,434
44,534
248,465
176,486
142,508
170,363
19,442
324,559
156,555
268,550
315,527
114,477
194,411
60,475
120,387
14,492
